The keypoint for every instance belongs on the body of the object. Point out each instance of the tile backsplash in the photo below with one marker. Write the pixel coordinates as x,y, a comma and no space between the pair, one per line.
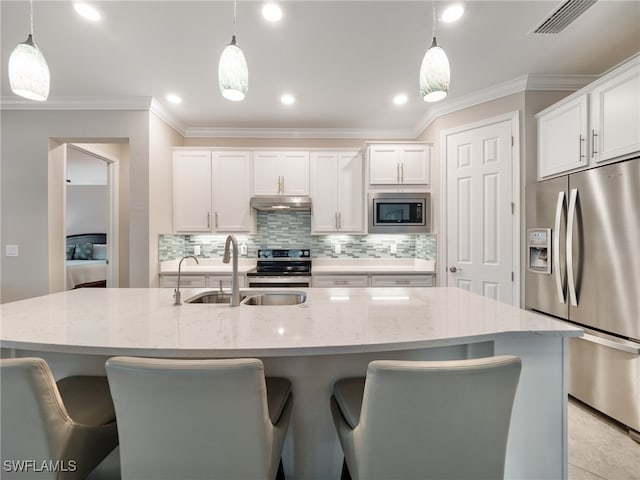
293,229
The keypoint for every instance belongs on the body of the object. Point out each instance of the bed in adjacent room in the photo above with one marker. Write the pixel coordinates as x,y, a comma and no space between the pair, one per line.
86,260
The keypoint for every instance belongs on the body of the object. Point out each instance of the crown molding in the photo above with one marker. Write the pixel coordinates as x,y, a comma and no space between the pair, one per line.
519,84
167,117
297,133
510,87
77,103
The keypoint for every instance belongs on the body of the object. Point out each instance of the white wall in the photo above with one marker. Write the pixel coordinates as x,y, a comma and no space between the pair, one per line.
24,209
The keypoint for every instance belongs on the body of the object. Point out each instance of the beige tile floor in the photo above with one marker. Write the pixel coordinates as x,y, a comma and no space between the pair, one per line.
598,449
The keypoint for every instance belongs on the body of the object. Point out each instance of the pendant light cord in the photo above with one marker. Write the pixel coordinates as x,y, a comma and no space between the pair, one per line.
434,19
31,16
234,17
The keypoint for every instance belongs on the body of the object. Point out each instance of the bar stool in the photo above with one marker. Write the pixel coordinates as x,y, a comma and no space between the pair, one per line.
427,419
197,419
53,431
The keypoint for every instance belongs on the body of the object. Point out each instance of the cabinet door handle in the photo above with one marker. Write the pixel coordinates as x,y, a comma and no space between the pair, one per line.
216,219
208,219
279,184
580,146
339,220
282,188
593,143
335,219
402,173
402,282
397,172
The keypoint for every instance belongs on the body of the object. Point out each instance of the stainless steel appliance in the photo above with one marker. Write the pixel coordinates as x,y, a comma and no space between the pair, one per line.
399,212
593,280
282,267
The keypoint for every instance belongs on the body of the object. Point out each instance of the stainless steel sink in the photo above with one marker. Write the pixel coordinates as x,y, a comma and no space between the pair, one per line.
212,297
276,299
250,297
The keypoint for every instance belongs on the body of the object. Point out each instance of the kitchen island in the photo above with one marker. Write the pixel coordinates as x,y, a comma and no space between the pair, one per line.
334,334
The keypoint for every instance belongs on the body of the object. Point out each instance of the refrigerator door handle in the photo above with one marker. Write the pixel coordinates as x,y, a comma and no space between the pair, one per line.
555,254
571,217
621,345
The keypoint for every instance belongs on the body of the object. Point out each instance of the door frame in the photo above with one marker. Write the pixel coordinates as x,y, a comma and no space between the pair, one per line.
514,118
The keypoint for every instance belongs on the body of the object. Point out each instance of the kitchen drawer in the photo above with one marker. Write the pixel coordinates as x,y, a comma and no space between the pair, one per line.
340,281
185,281
223,281
402,280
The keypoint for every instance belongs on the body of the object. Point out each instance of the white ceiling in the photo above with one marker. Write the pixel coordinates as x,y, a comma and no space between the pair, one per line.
343,60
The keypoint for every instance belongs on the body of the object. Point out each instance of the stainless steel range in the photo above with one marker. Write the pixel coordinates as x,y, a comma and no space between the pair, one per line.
282,267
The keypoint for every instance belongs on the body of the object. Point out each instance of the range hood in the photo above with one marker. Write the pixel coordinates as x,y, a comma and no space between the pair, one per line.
281,202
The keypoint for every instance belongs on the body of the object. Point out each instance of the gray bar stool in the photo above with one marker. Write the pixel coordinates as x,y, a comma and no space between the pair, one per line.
199,419
427,419
53,431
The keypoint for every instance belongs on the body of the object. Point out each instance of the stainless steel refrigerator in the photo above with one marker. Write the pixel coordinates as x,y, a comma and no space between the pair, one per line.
583,256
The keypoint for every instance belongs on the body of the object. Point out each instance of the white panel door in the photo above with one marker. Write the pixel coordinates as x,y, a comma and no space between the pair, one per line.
351,192
266,173
232,191
192,191
479,212
324,191
295,173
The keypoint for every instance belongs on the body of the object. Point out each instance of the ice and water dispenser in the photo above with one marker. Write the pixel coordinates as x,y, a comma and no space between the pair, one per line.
539,250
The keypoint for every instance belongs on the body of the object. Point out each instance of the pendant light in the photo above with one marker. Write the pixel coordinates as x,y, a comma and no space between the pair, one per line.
434,71
28,70
233,74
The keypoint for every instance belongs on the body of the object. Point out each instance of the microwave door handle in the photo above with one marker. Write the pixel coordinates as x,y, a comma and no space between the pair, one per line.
555,253
571,217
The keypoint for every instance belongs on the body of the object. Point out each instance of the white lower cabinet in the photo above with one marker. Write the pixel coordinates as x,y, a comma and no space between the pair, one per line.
223,281
402,281
200,281
340,280
187,281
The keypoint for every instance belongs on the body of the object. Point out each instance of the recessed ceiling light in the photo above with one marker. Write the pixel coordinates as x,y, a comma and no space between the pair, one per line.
87,11
452,13
400,99
272,12
174,98
287,99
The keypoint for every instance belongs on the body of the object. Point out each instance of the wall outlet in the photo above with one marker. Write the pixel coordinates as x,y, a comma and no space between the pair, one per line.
196,250
243,249
393,248
337,249
11,250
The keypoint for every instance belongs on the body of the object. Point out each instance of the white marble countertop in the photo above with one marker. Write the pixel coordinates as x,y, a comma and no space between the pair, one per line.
332,321
206,266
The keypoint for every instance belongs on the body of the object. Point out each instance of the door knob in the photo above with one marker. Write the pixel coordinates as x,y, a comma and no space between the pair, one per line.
454,269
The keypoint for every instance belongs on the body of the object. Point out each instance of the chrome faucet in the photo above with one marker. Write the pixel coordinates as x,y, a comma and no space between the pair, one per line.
235,289
176,291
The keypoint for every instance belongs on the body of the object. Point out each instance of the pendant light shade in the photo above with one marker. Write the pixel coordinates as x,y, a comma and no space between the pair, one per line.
434,70
28,70
233,74
434,74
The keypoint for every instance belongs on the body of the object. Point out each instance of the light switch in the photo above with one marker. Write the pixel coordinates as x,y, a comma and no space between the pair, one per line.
393,248
196,250
243,249
12,250
337,249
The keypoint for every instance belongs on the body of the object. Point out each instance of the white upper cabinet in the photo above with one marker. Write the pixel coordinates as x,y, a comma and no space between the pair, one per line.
598,123
280,173
192,191
232,191
337,192
399,164
562,137
211,191
615,116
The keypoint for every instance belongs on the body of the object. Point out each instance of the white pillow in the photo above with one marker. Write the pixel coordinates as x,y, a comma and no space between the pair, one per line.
99,251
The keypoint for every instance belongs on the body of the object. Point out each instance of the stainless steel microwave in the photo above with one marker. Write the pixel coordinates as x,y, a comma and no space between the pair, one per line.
399,212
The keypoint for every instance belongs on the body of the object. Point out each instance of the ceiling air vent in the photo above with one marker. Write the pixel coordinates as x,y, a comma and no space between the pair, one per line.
562,16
